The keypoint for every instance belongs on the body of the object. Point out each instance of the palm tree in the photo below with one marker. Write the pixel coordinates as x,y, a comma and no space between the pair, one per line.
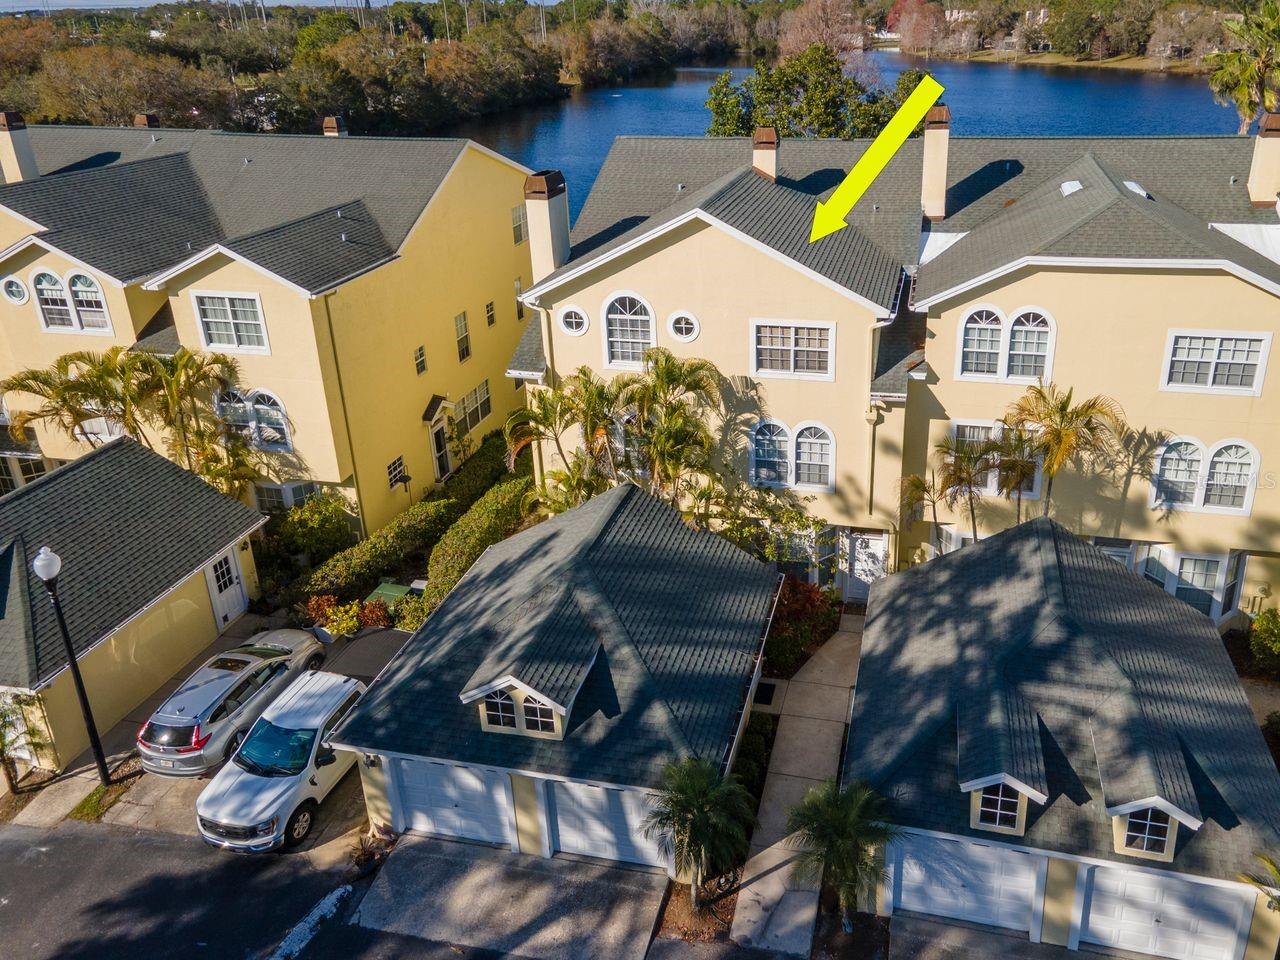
701,820
1266,880
14,736
918,492
183,386
545,417
841,831
676,442
963,470
64,401
1247,76
595,406
225,460
1017,461
562,490
1064,430
670,381
116,385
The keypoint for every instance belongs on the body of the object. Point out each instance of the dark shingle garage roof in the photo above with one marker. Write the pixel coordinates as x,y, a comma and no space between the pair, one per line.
649,628
129,526
1115,689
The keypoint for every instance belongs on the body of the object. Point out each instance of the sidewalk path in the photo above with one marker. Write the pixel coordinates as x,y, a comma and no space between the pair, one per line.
776,911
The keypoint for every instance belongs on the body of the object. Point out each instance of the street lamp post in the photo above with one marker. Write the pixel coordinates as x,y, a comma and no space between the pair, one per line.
47,565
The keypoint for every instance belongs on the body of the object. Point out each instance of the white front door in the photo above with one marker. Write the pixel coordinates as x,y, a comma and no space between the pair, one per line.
1165,915
226,589
966,881
867,554
602,822
453,800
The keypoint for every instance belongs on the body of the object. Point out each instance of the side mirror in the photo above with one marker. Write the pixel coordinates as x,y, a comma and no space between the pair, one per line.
325,756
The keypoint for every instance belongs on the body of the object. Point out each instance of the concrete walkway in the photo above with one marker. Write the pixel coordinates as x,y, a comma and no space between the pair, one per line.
775,910
913,937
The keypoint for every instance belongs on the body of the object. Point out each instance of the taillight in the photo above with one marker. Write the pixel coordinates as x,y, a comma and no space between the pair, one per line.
141,730
197,741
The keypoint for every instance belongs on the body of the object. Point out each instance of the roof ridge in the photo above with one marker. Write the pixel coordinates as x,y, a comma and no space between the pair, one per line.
59,179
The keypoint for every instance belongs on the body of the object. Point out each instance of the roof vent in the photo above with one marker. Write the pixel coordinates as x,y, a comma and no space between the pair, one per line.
1071,186
1137,188
342,237
679,188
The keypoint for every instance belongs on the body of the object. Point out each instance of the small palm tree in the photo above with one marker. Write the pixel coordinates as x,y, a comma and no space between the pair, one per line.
116,385
182,387
562,490
701,820
919,492
64,402
546,416
963,469
1064,430
1247,76
1017,459
670,381
677,443
14,736
596,407
1266,880
841,832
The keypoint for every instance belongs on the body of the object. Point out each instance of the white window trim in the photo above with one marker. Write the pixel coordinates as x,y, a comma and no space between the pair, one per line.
794,449
829,376
1207,452
264,350
604,329
790,439
993,485
683,314
77,329
287,492
247,395
109,330
26,290
1172,561
1256,390
574,308
1006,328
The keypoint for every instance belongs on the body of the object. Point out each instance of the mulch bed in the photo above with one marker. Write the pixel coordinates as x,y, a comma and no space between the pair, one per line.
869,940
712,922
11,804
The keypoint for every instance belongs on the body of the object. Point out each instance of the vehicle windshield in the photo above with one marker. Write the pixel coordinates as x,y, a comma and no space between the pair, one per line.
271,751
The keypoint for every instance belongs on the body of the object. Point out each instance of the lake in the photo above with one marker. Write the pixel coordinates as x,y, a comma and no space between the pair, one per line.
986,99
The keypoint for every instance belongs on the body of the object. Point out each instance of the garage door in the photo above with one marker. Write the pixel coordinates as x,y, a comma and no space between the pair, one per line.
1165,916
454,801
605,823
966,881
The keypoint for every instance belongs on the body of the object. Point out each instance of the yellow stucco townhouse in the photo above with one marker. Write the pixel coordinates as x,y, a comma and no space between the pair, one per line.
1145,269
366,287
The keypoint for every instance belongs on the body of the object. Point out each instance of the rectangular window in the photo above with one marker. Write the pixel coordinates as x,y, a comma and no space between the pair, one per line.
500,709
270,498
998,807
793,349
519,302
396,473
519,224
474,407
420,360
31,470
463,335
975,435
490,317
231,322
1197,578
7,483
1215,363
538,717
1154,569
1147,830
1231,592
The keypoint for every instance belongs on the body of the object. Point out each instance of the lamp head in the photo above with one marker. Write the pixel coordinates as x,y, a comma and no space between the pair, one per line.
47,565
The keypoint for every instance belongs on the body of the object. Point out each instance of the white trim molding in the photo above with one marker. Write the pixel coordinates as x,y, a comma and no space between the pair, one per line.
683,315
502,683
572,308
1007,320
1219,335
792,324
604,329
830,485
77,327
1207,454
1156,803
982,783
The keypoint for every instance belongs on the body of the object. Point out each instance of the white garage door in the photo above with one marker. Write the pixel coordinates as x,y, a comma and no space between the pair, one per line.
605,823
1168,917
967,881
453,801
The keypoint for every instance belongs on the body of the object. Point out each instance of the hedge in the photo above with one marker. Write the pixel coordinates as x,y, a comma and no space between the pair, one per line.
493,518
480,471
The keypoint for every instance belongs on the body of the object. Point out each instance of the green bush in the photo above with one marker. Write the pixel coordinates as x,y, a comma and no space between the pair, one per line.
319,528
480,471
410,613
1264,640
752,761
805,618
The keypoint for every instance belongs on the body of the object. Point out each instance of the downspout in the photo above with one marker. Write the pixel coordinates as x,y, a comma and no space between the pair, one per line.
543,316
346,419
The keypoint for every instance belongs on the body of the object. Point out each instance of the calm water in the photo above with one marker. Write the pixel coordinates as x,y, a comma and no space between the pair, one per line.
986,100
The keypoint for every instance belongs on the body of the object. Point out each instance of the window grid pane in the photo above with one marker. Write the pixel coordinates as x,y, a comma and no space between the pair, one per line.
813,457
1196,580
396,472
538,717
1179,473
7,483
500,710
1147,830
770,454
475,406
519,224
231,322
489,316
773,348
980,352
32,470
420,360
630,329
1229,473
1230,362
1028,346
89,303
998,806
53,301
463,334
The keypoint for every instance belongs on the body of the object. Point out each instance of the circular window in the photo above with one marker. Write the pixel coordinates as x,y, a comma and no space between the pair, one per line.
683,326
573,322
15,291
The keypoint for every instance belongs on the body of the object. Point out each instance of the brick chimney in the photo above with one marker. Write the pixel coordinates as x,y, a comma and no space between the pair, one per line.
145,120
1264,171
17,161
933,173
764,152
546,204
335,127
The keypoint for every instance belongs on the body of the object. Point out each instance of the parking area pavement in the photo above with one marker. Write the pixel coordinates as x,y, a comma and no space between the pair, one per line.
485,898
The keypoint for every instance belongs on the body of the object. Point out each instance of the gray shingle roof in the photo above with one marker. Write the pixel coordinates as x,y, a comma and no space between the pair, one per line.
135,202
128,524
160,335
529,359
672,616
1132,691
900,352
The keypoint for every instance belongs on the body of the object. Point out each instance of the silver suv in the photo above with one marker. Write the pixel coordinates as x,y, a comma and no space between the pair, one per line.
205,719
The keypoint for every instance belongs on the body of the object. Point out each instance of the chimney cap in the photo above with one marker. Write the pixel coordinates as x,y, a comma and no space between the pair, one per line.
1269,125
334,125
544,185
765,138
938,117
12,120
146,120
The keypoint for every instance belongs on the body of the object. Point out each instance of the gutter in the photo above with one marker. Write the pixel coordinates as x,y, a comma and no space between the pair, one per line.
731,749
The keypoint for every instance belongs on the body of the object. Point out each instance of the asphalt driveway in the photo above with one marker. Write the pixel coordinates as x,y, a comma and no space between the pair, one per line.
490,899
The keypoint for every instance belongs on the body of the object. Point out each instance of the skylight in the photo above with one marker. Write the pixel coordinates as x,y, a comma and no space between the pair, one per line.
1138,189
1071,186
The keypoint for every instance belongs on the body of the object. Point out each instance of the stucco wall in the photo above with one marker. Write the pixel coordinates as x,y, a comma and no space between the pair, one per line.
1059,901
524,790
1264,931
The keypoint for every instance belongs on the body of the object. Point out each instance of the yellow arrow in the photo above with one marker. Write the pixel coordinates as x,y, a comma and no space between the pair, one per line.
829,217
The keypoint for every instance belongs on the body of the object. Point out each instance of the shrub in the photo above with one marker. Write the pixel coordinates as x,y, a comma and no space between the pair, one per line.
319,607
319,528
374,614
805,617
492,518
481,471
410,613
344,620
752,761
1264,640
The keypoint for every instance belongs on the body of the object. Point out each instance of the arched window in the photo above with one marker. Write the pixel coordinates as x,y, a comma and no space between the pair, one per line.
769,454
980,350
629,330
538,717
632,457
813,457
1028,345
55,309
500,709
258,415
91,306
1178,473
1230,470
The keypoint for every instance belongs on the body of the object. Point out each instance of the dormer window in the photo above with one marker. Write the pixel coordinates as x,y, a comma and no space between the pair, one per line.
538,717
500,709
1148,832
998,807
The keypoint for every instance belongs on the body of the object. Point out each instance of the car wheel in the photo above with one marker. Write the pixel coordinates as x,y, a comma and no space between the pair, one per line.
299,826
233,745
316,660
